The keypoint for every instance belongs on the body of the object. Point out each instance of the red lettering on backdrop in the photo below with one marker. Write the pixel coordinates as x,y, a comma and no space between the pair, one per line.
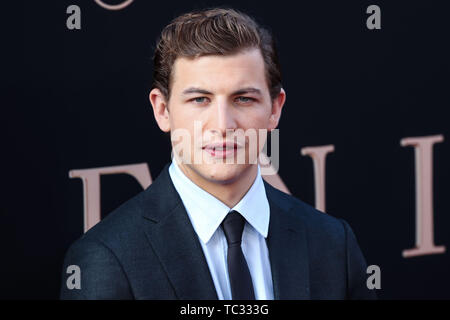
318,156
91,186
119,6
423,149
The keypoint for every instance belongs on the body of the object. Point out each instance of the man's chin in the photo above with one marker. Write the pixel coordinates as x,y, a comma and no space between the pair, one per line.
222,173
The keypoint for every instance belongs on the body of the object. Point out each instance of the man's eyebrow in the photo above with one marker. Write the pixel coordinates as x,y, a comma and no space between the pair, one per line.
195,90
247,90
237,92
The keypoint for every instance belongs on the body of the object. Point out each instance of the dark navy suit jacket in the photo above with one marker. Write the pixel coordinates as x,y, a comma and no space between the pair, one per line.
148,249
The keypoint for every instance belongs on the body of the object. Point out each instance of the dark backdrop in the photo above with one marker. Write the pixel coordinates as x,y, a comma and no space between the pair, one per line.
78,99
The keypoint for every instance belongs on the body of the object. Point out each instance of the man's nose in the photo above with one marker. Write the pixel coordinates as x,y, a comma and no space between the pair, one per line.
223,117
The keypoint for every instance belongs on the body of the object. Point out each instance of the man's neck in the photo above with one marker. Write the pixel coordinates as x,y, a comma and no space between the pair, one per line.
229,193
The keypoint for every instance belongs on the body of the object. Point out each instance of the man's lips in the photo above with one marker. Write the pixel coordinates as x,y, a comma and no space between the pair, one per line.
222,150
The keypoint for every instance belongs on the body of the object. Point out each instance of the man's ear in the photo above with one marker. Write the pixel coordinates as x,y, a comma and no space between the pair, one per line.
160,109
277,106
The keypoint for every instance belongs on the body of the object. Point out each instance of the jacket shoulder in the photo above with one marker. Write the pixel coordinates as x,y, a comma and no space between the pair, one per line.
316,221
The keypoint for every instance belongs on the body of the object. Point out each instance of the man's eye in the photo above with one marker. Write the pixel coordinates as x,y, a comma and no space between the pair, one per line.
245,99
199,99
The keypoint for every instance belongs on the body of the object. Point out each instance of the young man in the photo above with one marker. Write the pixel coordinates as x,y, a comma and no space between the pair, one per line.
209,227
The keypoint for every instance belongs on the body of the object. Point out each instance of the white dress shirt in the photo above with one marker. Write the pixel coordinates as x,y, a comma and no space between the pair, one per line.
206,213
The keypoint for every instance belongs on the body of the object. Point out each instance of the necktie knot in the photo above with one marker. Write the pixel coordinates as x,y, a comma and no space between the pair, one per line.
233,226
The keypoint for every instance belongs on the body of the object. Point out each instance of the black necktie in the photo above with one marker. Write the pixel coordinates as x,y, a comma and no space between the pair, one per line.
240,279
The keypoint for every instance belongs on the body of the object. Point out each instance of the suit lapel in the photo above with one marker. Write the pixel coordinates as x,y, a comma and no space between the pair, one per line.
288,250
172,237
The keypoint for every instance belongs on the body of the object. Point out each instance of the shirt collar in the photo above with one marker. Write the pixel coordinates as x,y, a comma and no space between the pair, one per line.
206,212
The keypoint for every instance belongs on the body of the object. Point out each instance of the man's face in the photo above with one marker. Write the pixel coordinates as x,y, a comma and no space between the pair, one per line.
212,97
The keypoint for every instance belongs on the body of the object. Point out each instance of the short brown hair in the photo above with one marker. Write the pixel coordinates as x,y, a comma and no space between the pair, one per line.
216,31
